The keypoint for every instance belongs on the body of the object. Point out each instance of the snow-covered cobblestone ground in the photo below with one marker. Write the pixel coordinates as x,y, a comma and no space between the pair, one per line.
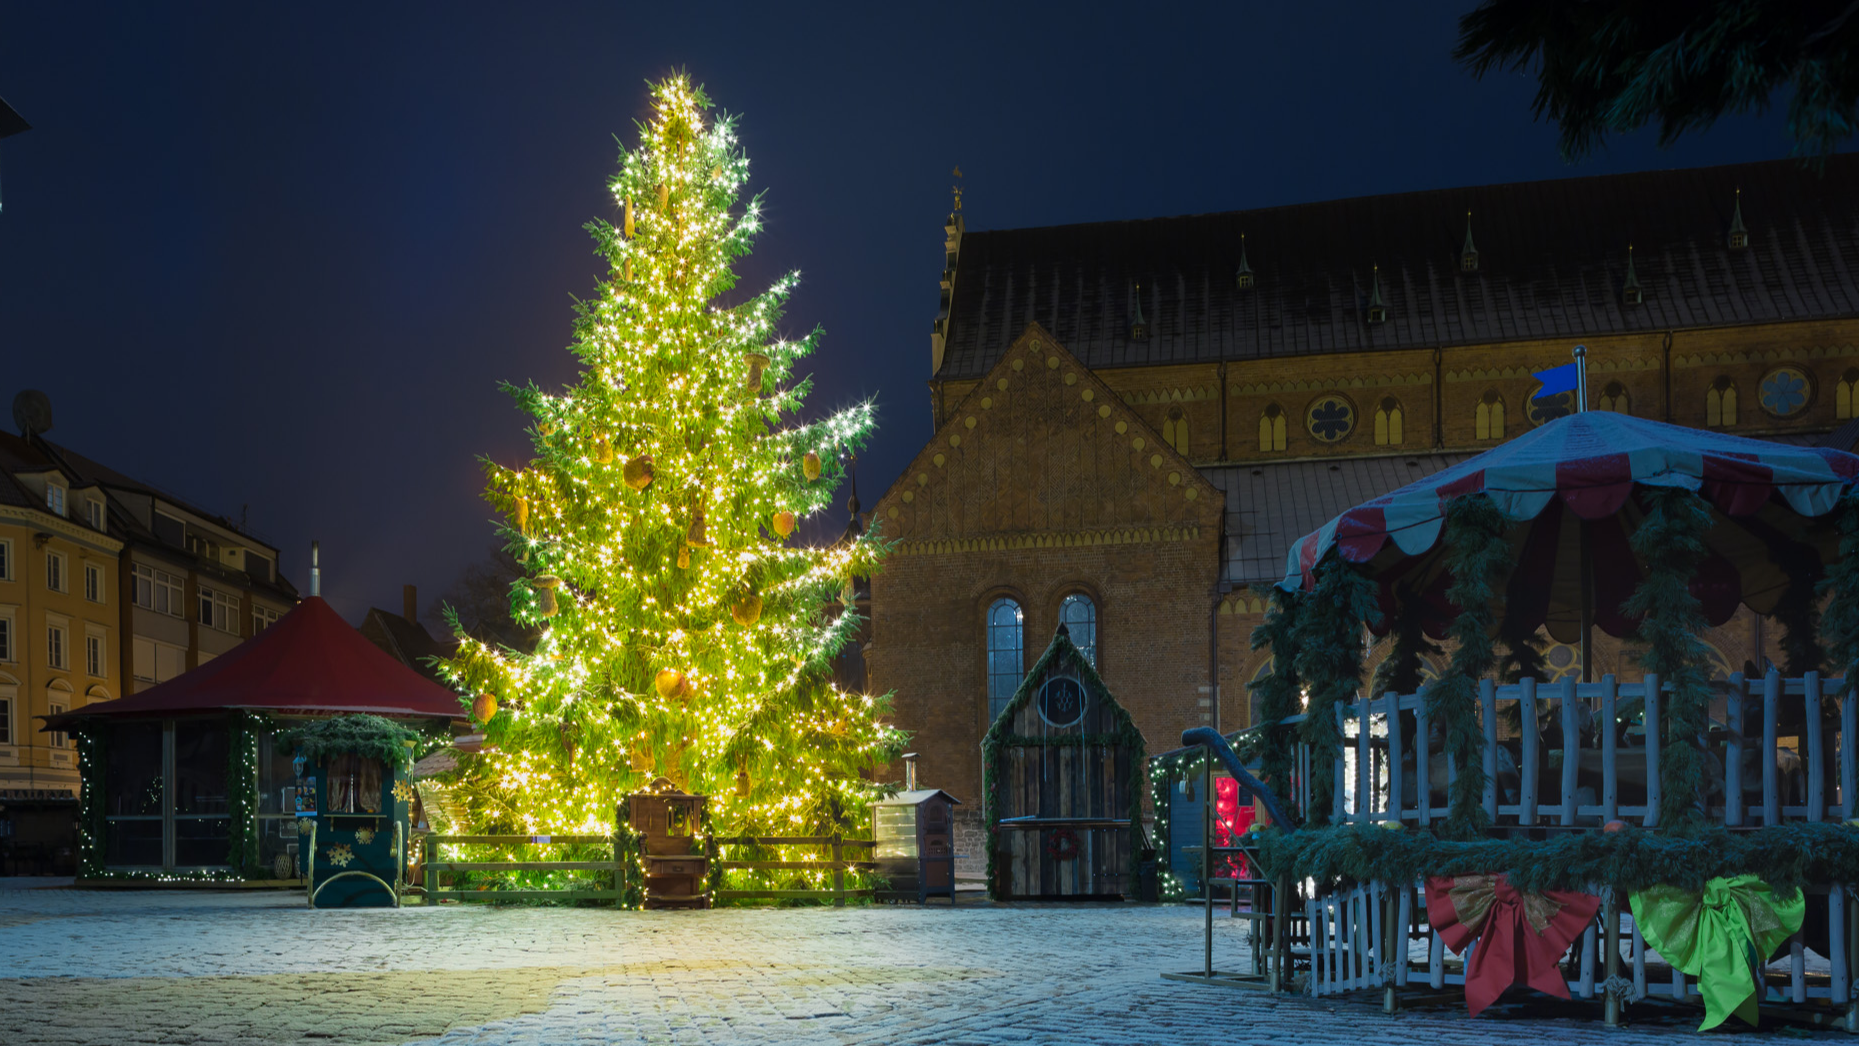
222,968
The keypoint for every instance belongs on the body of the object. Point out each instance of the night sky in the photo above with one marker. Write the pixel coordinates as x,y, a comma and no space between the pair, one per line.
279,256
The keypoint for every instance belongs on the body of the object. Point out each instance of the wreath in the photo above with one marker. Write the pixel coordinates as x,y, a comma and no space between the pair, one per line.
1062,844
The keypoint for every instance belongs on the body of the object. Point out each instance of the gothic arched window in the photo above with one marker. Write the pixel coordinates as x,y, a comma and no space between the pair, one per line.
1079,616
1720,403
1388,422
1272,428
1614,398
1490,419
1843,394
1004,646
1175,430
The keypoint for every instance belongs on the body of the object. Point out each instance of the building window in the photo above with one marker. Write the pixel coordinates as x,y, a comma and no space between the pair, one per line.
1614,398
1004,643
93,656
1272,428
55,571
6,639
55,646
1079,616
6,560
1175,430
55,499
1388,428
157,662
219,610
93,510
1490,420
1843,393
1720,403
262,618
93,582
59,739
158,590
6,717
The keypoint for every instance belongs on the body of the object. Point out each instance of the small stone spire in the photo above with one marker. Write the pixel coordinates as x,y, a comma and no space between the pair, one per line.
1244,277
1468,255
1739,233
1139,327
1377,308
855,526
1630,292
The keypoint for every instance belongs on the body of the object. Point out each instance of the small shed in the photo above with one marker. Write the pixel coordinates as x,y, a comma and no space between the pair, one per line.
914,844
670,825
1060,773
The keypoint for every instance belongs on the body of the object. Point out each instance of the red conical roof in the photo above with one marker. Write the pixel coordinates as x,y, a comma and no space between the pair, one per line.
311,661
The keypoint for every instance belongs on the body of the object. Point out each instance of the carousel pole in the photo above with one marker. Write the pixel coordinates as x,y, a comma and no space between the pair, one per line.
1587,558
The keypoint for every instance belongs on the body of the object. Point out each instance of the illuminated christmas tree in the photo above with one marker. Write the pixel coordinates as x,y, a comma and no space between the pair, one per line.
683,632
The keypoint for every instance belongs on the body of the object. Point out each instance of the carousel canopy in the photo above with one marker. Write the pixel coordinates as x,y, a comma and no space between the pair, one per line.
310,661
1570,483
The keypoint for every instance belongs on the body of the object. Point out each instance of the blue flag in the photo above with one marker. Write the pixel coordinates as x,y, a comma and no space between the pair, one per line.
1555,380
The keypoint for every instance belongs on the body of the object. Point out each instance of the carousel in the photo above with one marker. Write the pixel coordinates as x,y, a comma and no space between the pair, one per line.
1627,845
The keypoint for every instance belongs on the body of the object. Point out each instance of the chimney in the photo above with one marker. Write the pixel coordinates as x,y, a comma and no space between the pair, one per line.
316,571
910,771
410,602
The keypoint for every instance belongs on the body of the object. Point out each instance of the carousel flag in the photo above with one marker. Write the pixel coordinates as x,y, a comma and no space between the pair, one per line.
1557,380
1723,936
1521,936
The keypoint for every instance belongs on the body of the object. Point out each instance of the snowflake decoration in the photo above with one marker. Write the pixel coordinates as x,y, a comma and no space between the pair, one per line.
339,855
364,836
304,825
403,792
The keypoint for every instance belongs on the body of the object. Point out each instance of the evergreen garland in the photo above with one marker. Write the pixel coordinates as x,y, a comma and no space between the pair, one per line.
1670,542
243,728
1275,697
1840,621
367,735
1786,856
93,750
1329,660
1478,558
1403,670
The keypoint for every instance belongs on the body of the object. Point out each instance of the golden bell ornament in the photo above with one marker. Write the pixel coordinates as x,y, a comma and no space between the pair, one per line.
545,594
484,708
757,364
664,196
638,472
742,783
628,225
696,537
603,451
684,557
641,760
783,523
519,510
747,611
810,466
671,683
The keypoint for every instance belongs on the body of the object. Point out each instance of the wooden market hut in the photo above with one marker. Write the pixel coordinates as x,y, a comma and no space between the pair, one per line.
184,781
1061,769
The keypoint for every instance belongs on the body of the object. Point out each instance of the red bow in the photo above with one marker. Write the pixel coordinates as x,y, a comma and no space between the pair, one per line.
1521,936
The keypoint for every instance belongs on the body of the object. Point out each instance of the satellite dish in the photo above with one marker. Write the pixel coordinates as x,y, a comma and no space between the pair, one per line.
32,412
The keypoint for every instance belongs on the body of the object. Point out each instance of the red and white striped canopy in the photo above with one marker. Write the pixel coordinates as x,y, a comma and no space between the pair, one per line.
1580,471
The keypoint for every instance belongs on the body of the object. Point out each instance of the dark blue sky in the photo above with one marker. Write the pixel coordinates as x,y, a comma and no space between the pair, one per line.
280,255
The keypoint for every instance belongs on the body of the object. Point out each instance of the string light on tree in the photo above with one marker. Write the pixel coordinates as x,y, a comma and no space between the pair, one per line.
681,635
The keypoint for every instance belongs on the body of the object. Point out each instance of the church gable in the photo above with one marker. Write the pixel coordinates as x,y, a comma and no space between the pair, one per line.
1042,451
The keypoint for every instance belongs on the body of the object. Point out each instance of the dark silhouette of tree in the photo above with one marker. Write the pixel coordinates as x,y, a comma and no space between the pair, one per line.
1617,65
481,599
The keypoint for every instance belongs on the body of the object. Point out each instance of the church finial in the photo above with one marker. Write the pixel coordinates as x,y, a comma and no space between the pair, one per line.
1377,308
1468,255
1739,234
1139,327
957,190
1630,292
855,527
1244,277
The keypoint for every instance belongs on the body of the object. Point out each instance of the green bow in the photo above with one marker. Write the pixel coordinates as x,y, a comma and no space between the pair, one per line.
1722,936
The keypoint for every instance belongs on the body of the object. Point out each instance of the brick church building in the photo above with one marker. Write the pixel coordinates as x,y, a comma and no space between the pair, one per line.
1134,420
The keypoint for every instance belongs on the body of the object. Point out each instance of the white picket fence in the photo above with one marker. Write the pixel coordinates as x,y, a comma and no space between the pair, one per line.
1385,774
1352,950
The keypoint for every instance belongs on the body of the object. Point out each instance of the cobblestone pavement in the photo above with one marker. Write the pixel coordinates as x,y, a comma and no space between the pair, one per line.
237,968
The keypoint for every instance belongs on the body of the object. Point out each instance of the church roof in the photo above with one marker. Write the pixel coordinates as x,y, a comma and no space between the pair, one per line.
1552,263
